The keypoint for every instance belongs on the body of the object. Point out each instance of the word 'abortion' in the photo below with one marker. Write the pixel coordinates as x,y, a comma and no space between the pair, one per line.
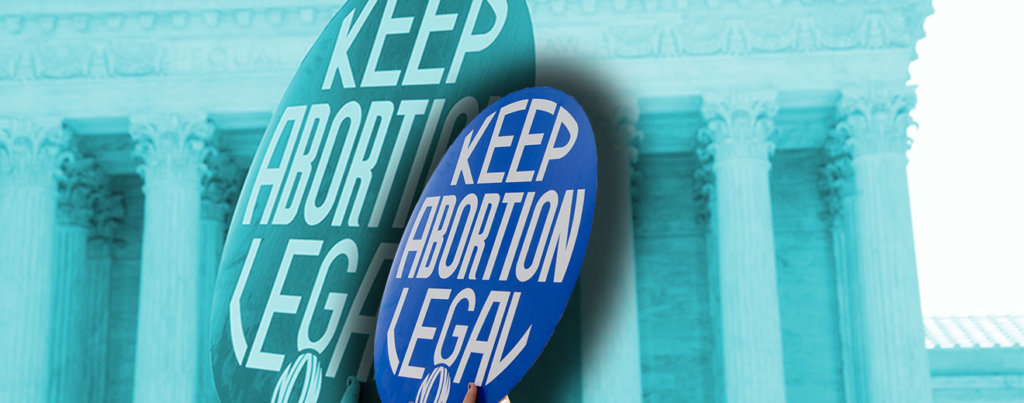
287,179
455,236
445,224
495,239
300,182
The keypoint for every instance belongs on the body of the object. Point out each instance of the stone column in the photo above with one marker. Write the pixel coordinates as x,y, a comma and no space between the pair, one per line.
76,316
610,328
890,356
837,191
30,153
738,127
107,217
221,186
172,149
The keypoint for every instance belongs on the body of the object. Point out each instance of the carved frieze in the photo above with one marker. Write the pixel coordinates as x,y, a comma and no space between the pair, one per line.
663,31
132,43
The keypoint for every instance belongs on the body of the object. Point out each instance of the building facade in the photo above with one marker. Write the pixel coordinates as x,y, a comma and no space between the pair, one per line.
754,239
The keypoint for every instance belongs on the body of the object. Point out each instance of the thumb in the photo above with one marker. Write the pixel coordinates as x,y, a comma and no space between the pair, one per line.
470,394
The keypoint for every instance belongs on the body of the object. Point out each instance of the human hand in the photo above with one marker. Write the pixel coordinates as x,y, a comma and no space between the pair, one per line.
471,396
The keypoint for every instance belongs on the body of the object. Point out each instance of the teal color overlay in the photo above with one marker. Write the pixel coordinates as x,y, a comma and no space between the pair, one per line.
364,121
491,254
128,128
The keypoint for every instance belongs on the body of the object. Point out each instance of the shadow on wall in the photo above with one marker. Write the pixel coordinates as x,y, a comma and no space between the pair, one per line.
558,373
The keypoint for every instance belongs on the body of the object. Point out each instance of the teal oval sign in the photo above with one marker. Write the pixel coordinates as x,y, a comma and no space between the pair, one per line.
370,112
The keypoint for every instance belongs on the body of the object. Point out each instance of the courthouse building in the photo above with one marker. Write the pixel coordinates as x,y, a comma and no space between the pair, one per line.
753,240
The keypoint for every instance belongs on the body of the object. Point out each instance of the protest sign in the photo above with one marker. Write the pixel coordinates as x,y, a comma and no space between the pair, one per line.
369,113
491,253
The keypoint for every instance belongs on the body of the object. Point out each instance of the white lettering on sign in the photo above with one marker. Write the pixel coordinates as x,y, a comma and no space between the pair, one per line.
489,343
470,41
281,304
554,149
429,243
294,176
341,165
492,240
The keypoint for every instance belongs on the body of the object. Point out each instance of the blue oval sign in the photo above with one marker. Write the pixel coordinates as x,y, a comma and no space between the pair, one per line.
370,111
491,253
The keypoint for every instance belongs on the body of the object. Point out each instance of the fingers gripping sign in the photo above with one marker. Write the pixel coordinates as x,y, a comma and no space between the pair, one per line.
472,392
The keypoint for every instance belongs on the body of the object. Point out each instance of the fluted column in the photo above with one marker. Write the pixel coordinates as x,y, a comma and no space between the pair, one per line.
221,186
891,361
837,191
108,214
30,153
610,327
172,149
738,127
77,313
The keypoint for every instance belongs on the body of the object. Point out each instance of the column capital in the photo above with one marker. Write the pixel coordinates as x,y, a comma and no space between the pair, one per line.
875,119
626,116
739,124
32,146
837,174
80,185
172,146
738,127
221,185
704,184
108,214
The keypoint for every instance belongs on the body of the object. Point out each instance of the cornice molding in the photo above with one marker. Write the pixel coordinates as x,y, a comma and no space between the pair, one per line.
604,7
165,41
158,19
714,31
143,43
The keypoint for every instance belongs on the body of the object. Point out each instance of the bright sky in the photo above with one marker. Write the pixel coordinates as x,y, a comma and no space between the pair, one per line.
967,163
